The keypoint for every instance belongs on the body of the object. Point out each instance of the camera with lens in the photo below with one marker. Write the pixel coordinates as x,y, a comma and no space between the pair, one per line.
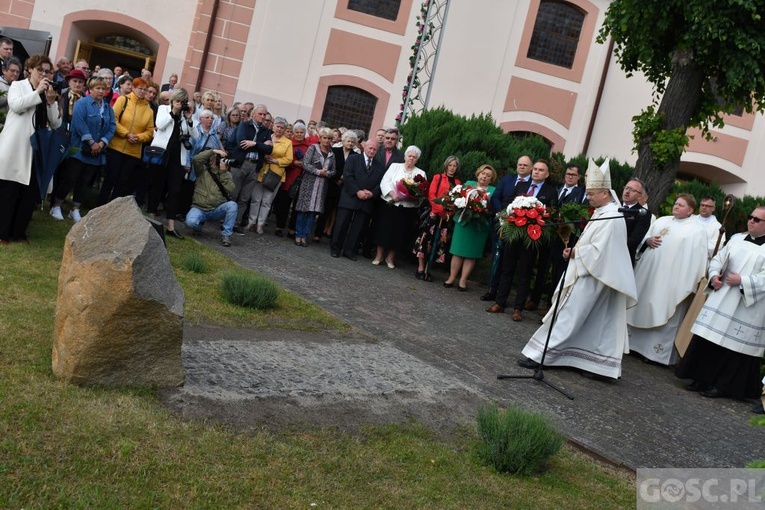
186,141
185,106
58,87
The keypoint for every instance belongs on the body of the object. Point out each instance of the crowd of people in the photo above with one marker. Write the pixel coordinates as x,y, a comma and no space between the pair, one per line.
623,284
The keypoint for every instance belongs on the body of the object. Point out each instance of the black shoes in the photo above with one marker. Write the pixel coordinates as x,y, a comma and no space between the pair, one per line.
175,234
697,386
527,363
489,296
350,256
712,393
420,275
335,254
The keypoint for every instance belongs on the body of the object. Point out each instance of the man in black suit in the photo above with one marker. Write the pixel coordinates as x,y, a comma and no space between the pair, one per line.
386,156
637,224
361,188
6,51
517,253
253,140
172,82
570,192
502,196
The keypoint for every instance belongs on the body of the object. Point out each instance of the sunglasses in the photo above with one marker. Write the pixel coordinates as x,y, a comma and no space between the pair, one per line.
755,219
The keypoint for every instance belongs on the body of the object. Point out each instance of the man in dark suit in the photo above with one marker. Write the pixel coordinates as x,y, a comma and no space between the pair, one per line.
502,196
637,225
253,140
6,51
361,188
389,153
518,254
570,192
386,156
172,82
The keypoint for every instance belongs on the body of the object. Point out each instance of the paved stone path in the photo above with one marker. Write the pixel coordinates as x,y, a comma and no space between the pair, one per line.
425,339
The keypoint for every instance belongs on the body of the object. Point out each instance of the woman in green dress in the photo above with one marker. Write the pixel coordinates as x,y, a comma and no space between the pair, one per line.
469,239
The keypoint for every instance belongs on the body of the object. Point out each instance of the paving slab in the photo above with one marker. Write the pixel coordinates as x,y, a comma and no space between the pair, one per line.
437,342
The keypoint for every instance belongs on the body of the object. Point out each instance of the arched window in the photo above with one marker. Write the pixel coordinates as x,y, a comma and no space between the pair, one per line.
386,9
556,33
348,106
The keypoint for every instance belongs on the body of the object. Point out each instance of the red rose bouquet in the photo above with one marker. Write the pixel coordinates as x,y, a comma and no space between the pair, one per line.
468,204
523,221
412,189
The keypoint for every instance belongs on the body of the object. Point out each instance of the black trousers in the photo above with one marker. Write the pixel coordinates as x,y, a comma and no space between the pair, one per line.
119,176
516,258
17,203
74,175
167,181
348,226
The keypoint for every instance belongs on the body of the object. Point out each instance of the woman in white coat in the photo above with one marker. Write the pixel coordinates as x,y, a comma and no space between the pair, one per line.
174,125
31,102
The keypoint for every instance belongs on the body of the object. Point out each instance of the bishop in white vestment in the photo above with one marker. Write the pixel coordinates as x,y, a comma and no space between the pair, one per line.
590,331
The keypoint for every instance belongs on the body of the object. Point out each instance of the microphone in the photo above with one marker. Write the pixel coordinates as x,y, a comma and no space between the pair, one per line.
640,211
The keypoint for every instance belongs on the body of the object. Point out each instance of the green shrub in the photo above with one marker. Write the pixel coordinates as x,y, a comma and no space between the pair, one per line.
195,263
516,441
756,464
251,291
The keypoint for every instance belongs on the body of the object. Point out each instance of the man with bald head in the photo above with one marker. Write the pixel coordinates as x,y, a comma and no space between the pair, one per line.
502,196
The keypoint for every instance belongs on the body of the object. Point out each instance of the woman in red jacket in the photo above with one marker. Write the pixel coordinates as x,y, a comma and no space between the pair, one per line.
439,221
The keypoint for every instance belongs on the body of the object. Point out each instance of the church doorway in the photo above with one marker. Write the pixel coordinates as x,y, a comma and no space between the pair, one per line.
115,50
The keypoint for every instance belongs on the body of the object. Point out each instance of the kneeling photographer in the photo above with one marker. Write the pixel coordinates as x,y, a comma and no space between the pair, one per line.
213,194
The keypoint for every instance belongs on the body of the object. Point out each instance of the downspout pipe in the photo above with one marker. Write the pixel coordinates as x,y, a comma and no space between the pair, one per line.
206,49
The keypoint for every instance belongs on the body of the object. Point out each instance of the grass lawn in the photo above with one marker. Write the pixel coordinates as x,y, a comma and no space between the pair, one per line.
64,446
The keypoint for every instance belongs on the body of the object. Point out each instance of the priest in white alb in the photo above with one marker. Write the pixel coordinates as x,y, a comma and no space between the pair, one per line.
725,354
671,260
708,220
590,330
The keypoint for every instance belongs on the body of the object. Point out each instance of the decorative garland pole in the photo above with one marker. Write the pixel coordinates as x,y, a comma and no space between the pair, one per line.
420,60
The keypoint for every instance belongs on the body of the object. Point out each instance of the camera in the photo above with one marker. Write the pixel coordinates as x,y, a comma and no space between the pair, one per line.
56,86
186,141
227,161
185,106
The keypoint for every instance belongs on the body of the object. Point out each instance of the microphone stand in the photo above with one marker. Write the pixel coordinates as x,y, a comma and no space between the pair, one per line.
539,371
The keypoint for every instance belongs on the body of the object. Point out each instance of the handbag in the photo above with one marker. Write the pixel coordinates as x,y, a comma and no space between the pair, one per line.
294,190
423,215
271,180
153,155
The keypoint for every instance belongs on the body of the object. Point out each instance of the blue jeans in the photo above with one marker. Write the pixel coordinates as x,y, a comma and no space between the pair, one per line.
304,224
225,211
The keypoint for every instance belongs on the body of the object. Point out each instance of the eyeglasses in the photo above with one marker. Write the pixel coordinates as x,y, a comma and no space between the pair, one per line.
632,190
83,68
43,71
754,219
571,175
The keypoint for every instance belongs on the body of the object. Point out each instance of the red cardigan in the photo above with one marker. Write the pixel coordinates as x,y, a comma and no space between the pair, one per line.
439,187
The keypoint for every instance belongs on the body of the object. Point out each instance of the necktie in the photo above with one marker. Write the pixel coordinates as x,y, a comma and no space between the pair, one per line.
532,189
369,164
564,194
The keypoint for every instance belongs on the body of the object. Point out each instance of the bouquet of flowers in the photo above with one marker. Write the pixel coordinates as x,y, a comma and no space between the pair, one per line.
468,204
412,189
573,218
523,220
